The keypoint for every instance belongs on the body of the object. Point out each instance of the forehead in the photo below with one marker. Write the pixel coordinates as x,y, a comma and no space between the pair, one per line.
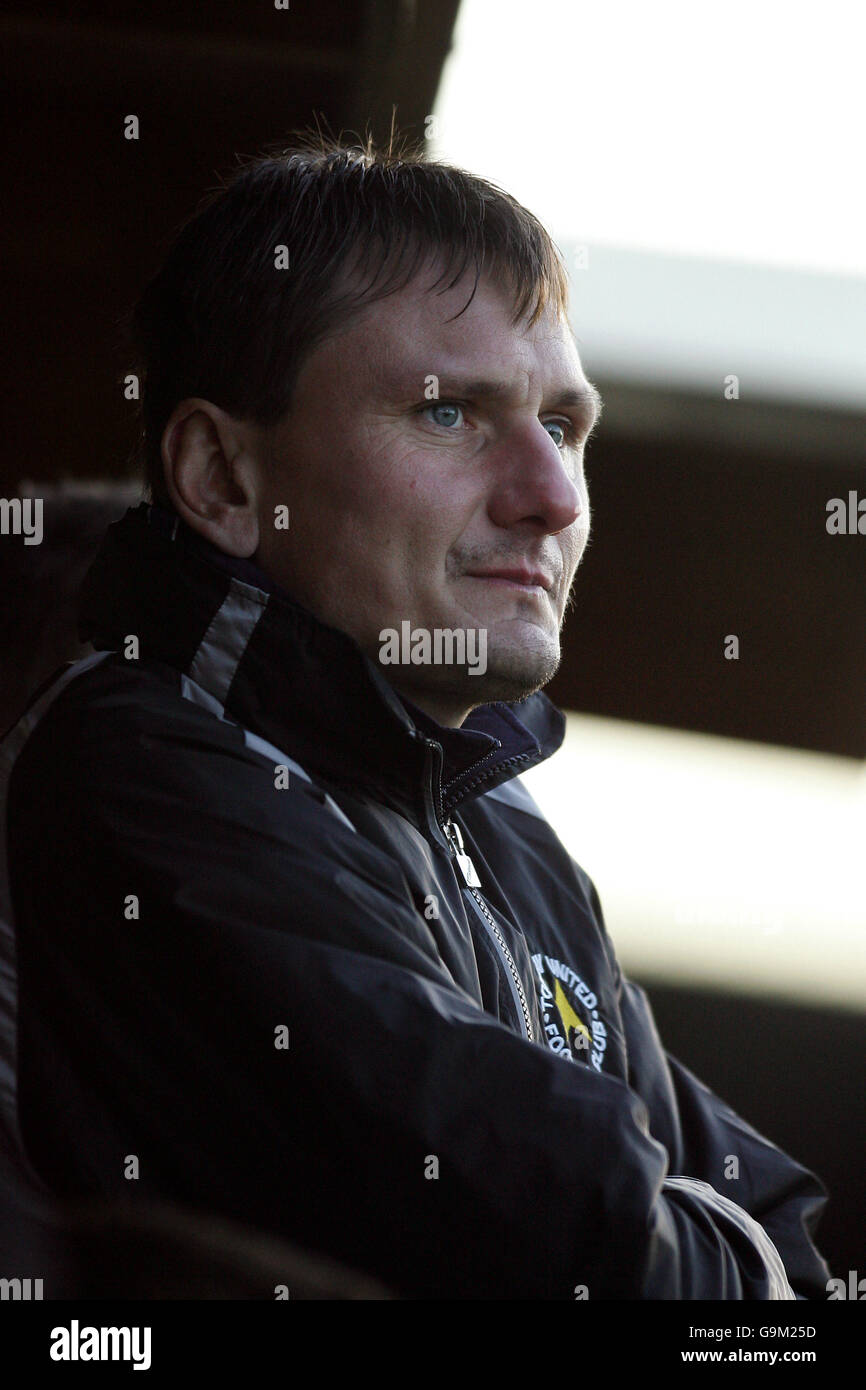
394,343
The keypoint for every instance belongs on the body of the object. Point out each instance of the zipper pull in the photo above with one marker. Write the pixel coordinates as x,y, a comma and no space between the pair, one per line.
467,868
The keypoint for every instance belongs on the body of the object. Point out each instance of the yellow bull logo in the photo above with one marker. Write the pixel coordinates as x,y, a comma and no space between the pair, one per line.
570,1020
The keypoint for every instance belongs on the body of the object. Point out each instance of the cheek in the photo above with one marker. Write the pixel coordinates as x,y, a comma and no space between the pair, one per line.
418,493
440,488
582,524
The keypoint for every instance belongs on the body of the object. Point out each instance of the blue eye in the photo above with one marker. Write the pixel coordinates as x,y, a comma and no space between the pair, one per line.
563,429
445,405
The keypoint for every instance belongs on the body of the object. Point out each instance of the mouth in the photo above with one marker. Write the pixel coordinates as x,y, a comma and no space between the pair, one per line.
520,581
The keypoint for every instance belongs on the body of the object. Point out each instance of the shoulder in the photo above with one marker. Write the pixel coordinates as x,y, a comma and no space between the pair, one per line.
92,722
128,744
127,767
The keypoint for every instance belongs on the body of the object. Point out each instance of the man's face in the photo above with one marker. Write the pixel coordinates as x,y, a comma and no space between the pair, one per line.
399,502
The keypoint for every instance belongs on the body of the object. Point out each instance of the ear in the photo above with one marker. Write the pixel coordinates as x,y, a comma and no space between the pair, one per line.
212,475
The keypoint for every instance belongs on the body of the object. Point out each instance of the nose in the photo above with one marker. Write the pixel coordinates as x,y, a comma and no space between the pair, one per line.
533,483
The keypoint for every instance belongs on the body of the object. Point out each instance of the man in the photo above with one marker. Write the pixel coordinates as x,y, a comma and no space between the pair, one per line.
294,942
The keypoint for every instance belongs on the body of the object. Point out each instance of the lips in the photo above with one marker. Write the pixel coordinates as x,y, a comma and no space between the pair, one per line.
530,578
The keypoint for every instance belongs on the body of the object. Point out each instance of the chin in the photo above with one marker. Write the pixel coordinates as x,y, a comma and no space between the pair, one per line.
511,678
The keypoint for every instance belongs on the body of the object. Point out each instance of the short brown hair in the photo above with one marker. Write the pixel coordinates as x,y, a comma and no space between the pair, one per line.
220,321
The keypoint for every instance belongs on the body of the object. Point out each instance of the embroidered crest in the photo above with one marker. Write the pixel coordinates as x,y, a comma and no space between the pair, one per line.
569,1008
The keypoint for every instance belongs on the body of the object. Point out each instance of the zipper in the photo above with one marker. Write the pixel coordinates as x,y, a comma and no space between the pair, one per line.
453,840
470,874
433,788
488,772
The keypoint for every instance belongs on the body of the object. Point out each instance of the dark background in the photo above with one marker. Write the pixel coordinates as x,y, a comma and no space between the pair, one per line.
706,522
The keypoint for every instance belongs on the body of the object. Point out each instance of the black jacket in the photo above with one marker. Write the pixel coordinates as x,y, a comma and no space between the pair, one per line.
317,963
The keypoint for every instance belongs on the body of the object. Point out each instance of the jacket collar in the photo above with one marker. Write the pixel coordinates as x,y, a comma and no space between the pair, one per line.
286,676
